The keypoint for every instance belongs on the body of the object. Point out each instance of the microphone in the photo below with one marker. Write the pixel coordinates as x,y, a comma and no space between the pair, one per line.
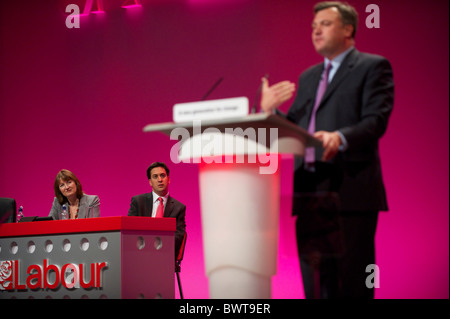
258,94
212,89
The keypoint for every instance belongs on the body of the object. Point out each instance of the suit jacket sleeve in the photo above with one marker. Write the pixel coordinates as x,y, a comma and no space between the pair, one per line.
55,210
181,229
177,210
94,201
377,101
133,211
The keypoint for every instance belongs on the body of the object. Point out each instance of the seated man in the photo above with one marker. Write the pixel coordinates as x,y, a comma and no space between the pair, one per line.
158,203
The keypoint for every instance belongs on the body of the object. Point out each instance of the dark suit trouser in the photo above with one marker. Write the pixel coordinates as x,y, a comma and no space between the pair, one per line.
333,259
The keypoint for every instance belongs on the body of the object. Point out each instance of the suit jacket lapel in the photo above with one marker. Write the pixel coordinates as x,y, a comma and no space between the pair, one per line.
167,210
169,207
149,204
83,206
341,74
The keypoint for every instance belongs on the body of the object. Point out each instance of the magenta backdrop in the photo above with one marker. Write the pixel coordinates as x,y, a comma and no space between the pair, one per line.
79,98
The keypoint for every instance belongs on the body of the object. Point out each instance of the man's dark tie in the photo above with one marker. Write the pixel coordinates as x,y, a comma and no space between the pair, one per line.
310,151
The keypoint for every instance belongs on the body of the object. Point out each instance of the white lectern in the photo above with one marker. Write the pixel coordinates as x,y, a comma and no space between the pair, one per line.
239,162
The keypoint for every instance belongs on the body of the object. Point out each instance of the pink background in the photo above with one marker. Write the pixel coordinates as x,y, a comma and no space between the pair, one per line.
79,98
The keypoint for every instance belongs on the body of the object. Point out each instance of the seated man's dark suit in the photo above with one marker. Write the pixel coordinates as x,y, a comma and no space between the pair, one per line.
142,205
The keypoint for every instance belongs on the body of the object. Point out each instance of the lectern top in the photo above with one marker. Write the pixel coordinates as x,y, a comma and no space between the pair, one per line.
258,120
98,224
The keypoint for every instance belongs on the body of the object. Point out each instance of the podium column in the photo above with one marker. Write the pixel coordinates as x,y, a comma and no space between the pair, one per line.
240,213
239,199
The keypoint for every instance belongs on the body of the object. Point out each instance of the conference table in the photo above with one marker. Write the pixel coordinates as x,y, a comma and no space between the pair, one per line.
106,257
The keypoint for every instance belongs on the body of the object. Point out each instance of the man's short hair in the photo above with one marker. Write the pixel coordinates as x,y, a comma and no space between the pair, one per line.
349,15
157,164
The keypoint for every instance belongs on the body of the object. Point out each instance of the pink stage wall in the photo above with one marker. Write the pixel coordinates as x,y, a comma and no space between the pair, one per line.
79,98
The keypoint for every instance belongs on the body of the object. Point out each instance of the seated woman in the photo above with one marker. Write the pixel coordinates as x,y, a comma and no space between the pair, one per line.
68,192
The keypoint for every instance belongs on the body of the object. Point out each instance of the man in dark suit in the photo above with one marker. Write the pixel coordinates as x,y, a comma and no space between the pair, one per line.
147,204
344,178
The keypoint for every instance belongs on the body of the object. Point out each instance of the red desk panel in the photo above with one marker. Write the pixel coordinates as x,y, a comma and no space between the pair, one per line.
99,224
